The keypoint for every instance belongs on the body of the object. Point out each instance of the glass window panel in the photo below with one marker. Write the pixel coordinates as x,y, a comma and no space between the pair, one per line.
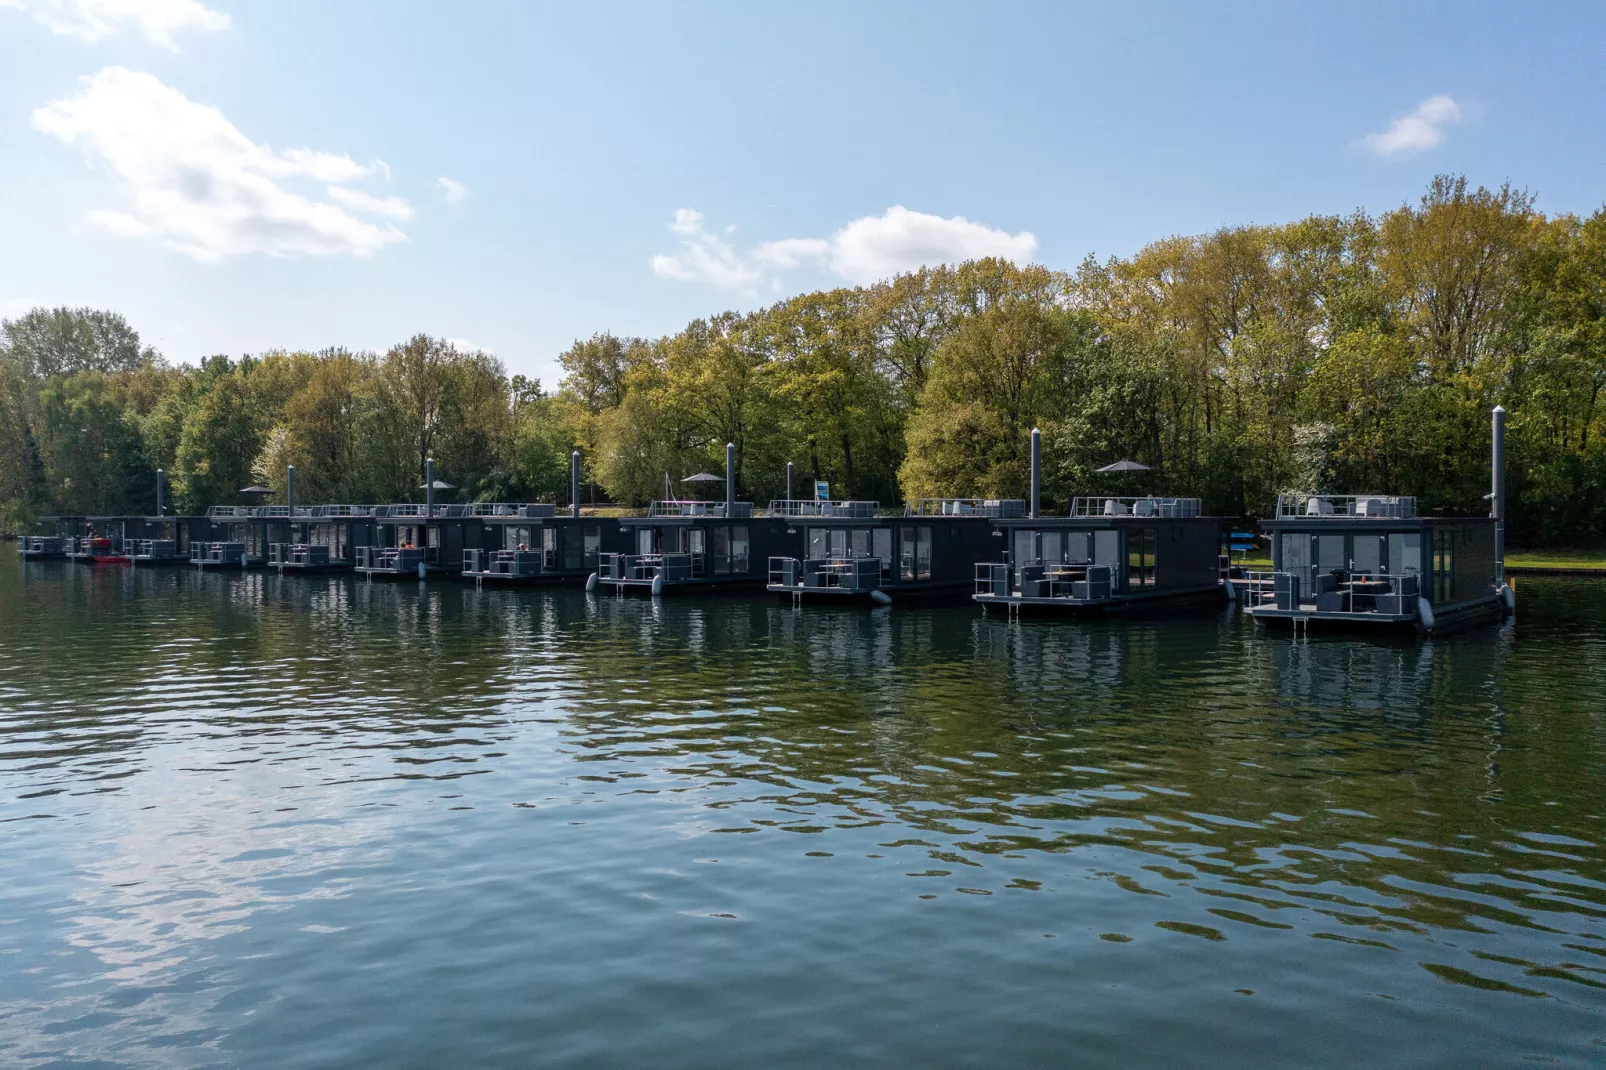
1078,547
1405,552
1025,550
1053,547
644,541
1330,552
740,559
923,555
907,542
1295,555
881,546
1107,547
818,539
593,545
722,549
859,539
1369,554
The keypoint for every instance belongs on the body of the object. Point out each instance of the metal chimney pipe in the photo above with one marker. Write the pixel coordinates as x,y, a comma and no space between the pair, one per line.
290,490
429,487
1497,495
574,484
158,492
1037,473
730,478
788,480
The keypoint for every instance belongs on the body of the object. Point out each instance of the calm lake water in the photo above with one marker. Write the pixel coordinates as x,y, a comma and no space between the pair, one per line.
253,821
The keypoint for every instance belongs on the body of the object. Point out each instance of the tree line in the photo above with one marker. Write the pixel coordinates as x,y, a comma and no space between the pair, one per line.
1353,353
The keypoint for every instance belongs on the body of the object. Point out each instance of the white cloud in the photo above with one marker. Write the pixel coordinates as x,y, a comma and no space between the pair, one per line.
358,201
455,190
91,20
864,251
463,345
207,190
1418,131
705,257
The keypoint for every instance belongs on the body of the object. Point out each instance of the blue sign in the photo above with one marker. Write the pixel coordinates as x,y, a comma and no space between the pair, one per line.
822,491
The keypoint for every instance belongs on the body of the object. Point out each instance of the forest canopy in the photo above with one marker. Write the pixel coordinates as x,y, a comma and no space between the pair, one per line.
1352,353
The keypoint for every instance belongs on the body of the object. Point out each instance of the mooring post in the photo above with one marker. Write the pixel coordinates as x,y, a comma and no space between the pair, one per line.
1037,475
1497,492
574,484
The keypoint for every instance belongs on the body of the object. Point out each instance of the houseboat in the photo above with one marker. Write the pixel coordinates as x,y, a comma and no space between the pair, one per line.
848,552
219,554
323,538
1107,554
144,553
1370,562
687,545
42,548
533,544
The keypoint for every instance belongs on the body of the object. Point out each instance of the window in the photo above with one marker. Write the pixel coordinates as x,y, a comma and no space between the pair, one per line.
593,545
839,542
881,547
1405,553
914,558
1369,554
818,543
1330,552
1140,547
722,550
859,542
644,540
1078,548
573,547
1294,555
741,562
1443,564
1107,547
1052,552
1025,547
549,546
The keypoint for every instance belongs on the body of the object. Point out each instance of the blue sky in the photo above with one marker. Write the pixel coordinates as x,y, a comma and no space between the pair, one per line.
237,177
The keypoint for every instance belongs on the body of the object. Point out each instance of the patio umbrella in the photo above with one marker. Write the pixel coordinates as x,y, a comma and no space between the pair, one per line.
1123,466
439,484
256,488
704,477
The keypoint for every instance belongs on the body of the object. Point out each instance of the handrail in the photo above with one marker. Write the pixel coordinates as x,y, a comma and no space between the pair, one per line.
991,507
1145,505
808,507
1338,506
677,507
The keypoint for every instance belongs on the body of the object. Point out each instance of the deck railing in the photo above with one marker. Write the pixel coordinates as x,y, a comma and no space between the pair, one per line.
1137,505
1394,594
991,507
805,507
673,507
1393,507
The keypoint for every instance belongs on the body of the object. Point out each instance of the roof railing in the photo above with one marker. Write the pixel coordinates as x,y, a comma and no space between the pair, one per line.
992,507
807,507
676,507
1337,506
1137,505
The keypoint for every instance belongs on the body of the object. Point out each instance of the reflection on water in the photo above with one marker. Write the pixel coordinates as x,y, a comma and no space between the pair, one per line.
247,819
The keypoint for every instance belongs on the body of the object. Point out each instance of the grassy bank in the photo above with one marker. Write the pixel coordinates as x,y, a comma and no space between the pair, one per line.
1556,560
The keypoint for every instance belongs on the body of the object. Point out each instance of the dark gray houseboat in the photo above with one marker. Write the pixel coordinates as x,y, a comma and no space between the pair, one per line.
1108,554
1370,562
686,545
530,544
849,552
42,548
